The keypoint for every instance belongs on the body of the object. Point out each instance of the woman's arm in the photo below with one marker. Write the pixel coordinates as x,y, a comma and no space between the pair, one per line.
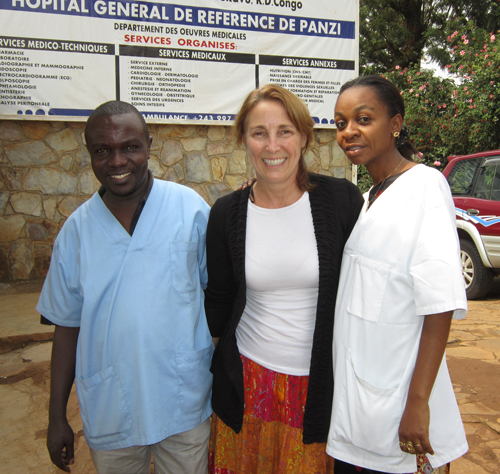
415,421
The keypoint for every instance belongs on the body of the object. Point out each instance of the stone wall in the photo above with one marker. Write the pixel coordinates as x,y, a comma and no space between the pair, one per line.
45,175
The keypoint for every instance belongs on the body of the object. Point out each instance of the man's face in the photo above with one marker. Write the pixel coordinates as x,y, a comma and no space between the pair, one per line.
119,152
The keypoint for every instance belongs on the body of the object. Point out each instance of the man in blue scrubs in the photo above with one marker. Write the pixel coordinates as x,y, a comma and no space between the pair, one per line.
125,291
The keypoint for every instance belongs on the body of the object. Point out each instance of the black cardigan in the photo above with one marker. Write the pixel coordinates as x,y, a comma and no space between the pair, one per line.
335,205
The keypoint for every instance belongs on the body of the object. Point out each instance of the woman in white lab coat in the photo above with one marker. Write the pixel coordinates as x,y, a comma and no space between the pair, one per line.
394,409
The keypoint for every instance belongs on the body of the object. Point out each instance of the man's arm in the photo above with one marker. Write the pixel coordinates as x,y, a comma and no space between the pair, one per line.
60,437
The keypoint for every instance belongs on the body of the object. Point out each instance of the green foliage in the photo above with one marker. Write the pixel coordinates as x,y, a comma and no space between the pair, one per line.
476,66
364,180
484,14
397,32
402,32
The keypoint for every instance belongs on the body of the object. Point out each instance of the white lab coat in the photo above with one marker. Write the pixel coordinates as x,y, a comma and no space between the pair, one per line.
400,263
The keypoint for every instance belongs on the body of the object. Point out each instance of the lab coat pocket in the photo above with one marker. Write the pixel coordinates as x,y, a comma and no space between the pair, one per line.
368,282
195,379
183,267
103,406
368,416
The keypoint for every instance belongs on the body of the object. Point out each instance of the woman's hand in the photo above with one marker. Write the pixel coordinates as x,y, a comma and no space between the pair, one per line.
414,428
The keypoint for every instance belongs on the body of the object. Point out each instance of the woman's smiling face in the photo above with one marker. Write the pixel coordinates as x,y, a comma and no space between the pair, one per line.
273,143
364,128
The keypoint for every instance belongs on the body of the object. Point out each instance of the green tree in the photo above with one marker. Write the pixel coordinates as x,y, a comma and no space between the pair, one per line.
402,32
397,32
476,67
484,14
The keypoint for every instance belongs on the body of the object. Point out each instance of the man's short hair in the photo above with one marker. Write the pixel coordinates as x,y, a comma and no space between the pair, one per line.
116,107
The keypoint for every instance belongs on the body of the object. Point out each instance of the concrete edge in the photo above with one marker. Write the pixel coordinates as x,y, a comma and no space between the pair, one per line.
11,343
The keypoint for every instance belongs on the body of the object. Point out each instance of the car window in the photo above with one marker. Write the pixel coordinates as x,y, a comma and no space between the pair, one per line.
495,191
461,176
485,180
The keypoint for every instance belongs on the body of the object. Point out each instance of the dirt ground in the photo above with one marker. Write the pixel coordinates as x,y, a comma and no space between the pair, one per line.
473,356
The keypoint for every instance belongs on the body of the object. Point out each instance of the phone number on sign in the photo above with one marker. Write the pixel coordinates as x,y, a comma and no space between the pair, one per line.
214,117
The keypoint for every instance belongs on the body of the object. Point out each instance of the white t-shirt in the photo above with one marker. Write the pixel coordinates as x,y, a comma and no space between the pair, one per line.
282,276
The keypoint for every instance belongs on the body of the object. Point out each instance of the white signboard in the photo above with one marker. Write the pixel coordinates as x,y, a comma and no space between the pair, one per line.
182,62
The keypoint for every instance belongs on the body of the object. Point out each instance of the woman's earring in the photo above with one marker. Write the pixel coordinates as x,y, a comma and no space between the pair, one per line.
396,134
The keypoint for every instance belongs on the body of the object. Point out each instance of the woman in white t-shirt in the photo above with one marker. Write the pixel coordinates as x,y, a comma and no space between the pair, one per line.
394,409
273,257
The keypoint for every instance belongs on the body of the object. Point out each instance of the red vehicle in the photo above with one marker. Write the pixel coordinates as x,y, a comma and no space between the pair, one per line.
475,185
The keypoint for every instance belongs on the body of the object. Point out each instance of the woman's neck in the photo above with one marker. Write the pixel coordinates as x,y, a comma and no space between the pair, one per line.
271,196
381,171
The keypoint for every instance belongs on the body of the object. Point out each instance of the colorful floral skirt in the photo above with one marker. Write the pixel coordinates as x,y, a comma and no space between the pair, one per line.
270,441
423,467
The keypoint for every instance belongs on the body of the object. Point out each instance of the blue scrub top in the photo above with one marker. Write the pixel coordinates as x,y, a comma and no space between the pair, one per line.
144,349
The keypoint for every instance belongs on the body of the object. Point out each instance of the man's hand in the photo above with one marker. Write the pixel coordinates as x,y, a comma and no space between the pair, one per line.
247,182
60,443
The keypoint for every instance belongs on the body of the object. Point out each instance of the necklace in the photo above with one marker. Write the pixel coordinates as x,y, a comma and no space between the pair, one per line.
381,186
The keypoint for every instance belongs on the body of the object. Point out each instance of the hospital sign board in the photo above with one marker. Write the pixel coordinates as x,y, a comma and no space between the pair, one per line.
188,61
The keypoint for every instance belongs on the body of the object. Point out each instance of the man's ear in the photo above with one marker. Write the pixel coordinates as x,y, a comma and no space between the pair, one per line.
150,142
